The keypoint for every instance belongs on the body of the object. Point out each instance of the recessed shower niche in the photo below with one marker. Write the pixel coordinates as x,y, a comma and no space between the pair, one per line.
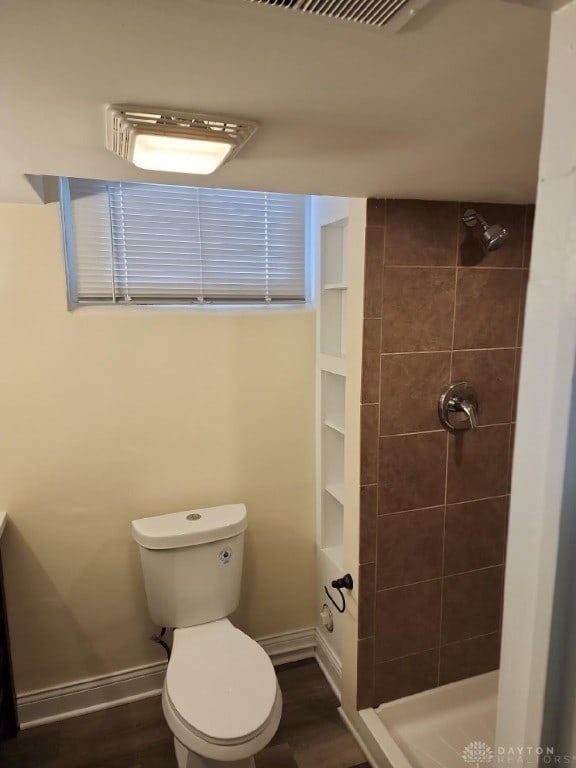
337,226
333,403
333,288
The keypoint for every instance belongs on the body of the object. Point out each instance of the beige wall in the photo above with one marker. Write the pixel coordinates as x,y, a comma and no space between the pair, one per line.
111,414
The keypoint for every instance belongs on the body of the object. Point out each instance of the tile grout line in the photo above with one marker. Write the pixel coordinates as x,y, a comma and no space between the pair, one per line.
377,503
444,351
440,577
524,236
458,210
524,240
433,648
453,266
438,431
367,229
383,262
518,312
474,637
513,415
518,353
510,457
365,357
452,504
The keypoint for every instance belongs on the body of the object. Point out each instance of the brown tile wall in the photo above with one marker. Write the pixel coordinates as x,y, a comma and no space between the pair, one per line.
433,506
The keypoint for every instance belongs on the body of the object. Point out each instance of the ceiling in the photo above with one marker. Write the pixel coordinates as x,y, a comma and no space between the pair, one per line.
450,107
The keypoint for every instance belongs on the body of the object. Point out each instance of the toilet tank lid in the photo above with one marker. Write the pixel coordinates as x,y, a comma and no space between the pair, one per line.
194,526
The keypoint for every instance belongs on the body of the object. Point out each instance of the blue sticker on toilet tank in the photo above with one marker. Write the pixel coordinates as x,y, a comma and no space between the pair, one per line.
225,556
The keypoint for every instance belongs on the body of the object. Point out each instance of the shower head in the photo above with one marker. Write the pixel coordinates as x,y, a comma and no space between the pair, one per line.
493,235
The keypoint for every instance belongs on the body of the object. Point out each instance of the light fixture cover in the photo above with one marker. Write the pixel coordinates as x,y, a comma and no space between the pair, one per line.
172,140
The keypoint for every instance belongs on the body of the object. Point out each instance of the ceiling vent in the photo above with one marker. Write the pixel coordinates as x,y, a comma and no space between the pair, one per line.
376,13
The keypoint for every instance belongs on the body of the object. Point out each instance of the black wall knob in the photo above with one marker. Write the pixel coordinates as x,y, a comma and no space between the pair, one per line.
344,582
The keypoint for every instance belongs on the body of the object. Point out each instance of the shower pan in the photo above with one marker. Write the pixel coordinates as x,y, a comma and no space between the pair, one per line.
437,727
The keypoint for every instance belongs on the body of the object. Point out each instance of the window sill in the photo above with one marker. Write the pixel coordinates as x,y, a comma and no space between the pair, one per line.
218,309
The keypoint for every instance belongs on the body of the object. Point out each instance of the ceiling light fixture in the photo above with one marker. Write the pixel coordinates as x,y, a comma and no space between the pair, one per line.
161,139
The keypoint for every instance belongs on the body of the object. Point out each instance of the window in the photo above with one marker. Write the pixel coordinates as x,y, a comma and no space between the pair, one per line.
158,244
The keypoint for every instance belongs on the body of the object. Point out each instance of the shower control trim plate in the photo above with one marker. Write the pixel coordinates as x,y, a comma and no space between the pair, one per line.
458,407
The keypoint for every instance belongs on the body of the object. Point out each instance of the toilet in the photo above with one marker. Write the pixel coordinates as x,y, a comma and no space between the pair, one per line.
221,698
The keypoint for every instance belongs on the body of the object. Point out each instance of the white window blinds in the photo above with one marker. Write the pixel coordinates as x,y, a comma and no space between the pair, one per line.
151,243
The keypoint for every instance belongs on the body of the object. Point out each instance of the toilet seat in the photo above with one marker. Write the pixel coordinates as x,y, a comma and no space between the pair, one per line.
221,691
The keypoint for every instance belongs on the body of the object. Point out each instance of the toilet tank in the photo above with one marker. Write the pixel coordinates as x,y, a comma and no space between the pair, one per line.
192,563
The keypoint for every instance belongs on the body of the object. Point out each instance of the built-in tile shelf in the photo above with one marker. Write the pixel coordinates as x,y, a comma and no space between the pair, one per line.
332,391
336,427
335,555
332,298
333,364
332,525
336,490
335,231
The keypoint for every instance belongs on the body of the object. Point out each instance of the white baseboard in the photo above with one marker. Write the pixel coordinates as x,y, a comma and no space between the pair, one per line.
62,702
329,663
290,646
90,695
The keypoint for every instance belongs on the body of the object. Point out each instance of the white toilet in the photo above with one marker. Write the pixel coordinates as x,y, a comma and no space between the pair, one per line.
221,698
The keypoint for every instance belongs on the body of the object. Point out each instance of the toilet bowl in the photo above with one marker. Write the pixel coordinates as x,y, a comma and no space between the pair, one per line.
221,698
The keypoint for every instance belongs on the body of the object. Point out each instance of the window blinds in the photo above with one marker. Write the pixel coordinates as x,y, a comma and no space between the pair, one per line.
153,243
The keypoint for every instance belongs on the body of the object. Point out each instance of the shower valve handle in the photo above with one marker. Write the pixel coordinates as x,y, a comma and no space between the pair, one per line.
458,407
458,404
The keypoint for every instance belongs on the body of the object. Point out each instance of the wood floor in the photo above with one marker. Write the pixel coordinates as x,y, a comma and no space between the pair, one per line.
311,734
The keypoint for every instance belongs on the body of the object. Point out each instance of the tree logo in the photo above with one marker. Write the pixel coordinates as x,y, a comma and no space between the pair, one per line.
477,753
